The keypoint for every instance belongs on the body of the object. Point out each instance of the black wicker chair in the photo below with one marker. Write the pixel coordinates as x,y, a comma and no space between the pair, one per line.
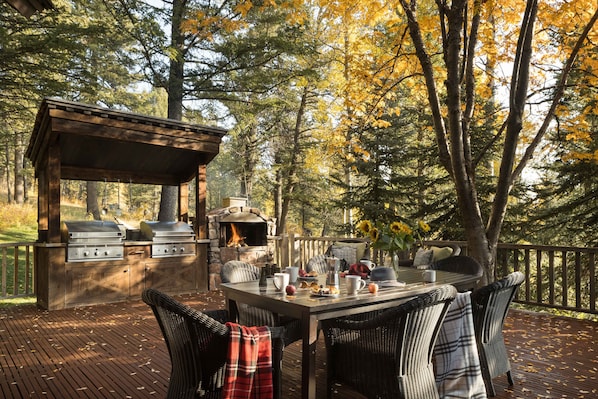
238,272
490,306
388,353
197,343
461,264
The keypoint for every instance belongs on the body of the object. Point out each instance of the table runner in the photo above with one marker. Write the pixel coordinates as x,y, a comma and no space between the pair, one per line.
458,371
248,373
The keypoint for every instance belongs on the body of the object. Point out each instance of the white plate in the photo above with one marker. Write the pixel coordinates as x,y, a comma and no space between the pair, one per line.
324,295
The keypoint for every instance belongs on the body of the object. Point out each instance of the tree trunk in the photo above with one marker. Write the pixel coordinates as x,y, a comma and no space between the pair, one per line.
7,171
291,175
19,194
169,198
92,200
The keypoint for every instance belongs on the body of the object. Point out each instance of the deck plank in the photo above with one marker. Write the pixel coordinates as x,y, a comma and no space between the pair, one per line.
117,351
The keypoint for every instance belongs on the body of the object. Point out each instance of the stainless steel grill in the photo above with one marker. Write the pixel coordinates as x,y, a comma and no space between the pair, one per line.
92,240
169,238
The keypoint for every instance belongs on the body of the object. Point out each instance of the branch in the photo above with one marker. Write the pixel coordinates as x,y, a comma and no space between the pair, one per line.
560,89
428,71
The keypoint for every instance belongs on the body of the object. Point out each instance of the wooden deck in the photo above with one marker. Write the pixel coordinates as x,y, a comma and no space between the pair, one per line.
117,351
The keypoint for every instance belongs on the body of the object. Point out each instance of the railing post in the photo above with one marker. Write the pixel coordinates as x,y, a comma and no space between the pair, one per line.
283,249
565,279
592,267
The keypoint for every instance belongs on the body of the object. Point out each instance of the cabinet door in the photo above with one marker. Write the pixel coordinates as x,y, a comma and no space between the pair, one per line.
92,283
173,276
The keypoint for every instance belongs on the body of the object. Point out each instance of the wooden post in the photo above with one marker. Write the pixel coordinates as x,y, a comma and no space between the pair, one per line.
53,184
200,203
184,202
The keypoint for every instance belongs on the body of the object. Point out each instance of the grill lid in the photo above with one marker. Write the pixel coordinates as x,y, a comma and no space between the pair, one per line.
167,231
91,231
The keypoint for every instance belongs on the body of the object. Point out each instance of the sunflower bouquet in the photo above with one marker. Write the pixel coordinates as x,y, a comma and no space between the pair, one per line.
393,237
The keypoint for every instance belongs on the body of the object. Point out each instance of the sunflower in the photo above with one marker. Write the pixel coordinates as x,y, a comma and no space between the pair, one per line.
374,234
423,226
365,226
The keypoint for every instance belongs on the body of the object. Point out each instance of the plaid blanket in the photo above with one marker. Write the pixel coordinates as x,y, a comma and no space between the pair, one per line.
458,371
248,373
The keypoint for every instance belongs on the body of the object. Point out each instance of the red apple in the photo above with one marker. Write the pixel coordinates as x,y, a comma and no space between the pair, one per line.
291,289
373,288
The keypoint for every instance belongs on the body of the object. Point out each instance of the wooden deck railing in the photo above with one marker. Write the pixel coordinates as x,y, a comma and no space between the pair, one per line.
16,265
555,276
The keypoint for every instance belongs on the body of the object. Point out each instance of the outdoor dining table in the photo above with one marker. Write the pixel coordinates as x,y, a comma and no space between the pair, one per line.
310,309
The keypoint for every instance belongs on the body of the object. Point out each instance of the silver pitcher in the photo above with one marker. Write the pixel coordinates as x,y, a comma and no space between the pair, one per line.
333,276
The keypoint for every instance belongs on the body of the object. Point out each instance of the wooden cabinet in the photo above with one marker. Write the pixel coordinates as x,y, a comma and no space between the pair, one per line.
91,283
61,284
172,276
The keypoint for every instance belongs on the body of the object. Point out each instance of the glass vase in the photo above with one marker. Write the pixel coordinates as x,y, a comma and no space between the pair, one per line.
392,260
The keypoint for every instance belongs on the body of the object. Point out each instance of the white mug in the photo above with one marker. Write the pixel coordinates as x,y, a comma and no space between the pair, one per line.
354,284
368,263
293,272
429,276
281,280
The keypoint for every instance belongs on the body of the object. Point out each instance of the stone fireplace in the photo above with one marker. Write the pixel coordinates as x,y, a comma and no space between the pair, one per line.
237,232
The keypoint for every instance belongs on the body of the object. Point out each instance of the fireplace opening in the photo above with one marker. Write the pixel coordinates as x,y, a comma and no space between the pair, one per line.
235,235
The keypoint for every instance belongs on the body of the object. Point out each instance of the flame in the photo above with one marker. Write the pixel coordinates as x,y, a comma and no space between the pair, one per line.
236,240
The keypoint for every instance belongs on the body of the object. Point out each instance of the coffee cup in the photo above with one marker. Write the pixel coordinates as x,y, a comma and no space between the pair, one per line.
281,280
429,276
370,265
293,272
354,284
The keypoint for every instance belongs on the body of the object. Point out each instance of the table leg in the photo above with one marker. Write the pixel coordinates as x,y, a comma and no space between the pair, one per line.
309,332
231,306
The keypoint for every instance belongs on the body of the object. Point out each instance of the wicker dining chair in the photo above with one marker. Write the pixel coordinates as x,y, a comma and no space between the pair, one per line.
388,354
490,305
461,264
317,264
197,343
238,272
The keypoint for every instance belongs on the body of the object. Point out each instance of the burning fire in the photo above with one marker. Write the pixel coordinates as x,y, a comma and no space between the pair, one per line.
236,240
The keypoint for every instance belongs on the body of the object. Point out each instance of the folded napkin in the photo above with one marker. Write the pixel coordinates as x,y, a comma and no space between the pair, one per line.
359,269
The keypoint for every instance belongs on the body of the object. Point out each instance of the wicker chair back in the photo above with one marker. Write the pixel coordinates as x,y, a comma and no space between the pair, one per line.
197,343
490,305
388,353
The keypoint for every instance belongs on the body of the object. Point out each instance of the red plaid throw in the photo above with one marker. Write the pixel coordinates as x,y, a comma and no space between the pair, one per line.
249,366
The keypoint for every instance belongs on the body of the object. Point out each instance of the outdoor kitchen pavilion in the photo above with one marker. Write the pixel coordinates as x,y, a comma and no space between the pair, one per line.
85,142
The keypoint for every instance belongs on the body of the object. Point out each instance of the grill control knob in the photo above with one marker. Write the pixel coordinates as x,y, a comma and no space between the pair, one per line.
182,249
106,253
85,253
173,249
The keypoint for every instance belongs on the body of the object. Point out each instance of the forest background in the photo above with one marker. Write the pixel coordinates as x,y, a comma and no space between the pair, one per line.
479,118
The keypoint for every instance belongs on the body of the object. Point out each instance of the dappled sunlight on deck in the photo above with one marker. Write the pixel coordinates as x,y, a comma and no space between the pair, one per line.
117,351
